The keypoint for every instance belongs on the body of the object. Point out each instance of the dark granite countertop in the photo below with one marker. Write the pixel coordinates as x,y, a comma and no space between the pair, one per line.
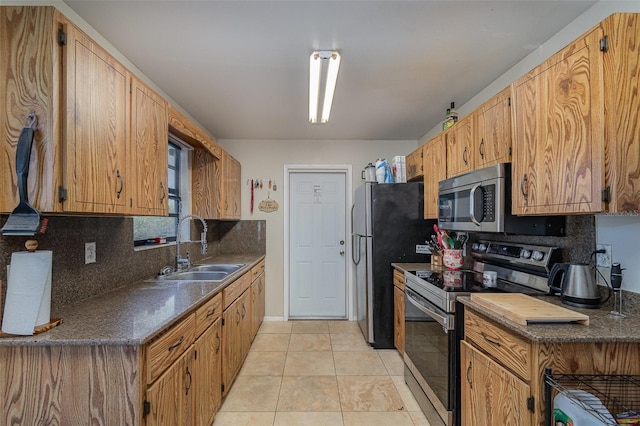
133,314
404,267
601,328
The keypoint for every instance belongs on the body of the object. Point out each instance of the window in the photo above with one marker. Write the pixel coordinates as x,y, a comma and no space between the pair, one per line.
152,230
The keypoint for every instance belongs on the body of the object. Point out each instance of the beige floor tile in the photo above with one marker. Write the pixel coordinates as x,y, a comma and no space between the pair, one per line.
419,419
368,393
275,342
349,342
253,393
359,364
275,327
264,364
310,326
392,361
244,419
308,419
376,419
309,393
410,403
350,327
309,342
309,364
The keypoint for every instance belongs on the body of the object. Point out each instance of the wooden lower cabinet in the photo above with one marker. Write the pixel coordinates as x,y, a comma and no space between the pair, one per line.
208,381
486,380
398,310
236,321
257,304
502,372
170,398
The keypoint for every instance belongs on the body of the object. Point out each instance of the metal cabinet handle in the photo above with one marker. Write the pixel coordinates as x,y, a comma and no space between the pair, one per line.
119,177
523,183
464,155
490,340
218,342
244,311
172,347
164,194
211,312
188,373
468,376
481,148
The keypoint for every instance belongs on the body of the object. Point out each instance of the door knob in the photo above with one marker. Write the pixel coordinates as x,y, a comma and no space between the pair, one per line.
341,252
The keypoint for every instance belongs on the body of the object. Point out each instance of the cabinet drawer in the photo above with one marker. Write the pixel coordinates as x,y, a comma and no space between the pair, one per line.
257,270
398,279
168,347
208,313
510,350
235,289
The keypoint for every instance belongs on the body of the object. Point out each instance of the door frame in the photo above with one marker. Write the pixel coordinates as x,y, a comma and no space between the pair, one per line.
345,169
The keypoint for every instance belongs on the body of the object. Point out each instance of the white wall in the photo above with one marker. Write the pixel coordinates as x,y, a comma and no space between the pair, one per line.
265,159
623,234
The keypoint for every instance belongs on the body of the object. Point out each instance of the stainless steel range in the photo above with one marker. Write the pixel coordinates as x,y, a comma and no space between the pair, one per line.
432,330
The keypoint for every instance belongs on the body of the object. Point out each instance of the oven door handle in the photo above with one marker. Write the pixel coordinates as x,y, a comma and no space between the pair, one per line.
441,319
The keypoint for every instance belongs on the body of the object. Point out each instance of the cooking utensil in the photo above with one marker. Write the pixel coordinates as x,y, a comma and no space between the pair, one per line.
25,219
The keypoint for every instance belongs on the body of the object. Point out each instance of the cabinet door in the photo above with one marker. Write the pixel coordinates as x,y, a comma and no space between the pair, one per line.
207,191
246,324
558,132
149,136
491,395
208,375
493,136
459,152
398,319
96,131
257,304
414,165
231,344
230,202
170,398
435,170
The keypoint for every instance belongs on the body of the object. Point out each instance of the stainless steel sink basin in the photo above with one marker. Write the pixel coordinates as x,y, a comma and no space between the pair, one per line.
218,267
195,276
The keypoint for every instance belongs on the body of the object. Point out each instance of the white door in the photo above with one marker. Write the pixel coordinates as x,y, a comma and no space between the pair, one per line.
317,245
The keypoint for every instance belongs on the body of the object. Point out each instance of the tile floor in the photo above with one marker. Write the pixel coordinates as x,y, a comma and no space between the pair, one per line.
319,373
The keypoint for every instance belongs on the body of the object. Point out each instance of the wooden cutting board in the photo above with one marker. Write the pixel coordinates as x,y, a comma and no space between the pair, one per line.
523,309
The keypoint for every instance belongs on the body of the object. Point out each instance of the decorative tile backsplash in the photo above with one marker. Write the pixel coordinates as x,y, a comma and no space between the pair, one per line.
118,264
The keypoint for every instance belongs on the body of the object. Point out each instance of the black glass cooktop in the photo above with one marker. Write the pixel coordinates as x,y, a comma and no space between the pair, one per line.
466,281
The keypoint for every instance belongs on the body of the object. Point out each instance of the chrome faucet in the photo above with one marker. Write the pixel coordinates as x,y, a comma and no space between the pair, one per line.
185,263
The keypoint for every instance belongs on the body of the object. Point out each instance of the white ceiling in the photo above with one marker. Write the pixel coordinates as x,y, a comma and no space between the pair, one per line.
240,68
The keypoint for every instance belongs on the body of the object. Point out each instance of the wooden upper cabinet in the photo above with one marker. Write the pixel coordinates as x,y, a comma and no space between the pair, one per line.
493,131
149,141
29,81
230,196
435,170
206,182
414,165
459,140
622,112
96,128
558,132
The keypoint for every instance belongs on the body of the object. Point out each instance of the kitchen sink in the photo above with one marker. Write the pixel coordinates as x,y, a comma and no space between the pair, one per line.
218,267
194,276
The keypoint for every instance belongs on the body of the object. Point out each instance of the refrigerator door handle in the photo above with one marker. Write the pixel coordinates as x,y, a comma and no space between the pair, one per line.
355,248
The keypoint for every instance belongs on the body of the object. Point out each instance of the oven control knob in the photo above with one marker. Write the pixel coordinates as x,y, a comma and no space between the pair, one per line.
475,246
483,247
525,254
537,255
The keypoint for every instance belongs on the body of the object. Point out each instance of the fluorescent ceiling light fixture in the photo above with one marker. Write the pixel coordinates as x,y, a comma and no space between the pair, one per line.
323,72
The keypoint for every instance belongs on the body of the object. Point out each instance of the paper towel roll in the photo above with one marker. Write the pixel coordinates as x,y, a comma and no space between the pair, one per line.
28,302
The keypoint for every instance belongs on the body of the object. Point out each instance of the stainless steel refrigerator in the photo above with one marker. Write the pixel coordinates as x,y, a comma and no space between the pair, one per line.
387,223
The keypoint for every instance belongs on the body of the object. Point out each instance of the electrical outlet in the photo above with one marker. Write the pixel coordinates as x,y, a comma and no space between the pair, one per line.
89,253
603,260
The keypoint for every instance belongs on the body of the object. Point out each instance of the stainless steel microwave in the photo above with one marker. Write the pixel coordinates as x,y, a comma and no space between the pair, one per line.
480,201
